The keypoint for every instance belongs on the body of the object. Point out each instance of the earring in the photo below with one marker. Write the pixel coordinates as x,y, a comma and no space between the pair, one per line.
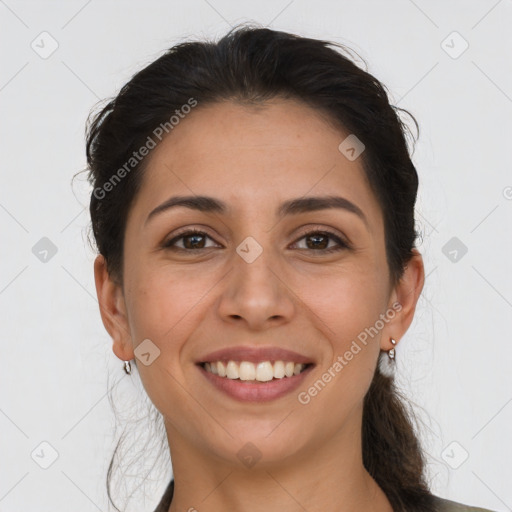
387,361
127,367
391,353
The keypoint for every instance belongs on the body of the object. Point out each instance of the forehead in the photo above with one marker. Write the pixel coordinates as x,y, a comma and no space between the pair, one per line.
253,156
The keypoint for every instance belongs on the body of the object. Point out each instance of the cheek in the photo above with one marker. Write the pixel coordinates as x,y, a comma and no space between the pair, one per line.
347,302
358,308
163,303
348,308
164,308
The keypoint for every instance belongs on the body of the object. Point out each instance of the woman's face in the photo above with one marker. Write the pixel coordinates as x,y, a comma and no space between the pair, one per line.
260,275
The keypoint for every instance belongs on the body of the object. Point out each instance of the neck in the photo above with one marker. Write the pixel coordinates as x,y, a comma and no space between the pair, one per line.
329,477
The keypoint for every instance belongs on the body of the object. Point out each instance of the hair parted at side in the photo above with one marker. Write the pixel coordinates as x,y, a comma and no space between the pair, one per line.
250,65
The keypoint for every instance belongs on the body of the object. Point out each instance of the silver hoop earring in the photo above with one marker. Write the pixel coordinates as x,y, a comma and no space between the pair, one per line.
387,361
127,367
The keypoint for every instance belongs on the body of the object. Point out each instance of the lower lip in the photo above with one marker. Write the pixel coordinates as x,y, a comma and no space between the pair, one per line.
246,391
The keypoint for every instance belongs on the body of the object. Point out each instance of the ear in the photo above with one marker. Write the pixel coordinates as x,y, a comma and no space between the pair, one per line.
113,310
406,293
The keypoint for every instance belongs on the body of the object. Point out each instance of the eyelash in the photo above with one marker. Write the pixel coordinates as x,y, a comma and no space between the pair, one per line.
341,243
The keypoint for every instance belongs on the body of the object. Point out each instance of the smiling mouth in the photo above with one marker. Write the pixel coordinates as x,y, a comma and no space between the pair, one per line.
250,372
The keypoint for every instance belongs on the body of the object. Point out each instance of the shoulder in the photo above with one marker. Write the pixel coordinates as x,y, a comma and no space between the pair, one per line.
444,505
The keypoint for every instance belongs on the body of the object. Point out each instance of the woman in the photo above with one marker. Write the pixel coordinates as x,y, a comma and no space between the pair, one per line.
253,208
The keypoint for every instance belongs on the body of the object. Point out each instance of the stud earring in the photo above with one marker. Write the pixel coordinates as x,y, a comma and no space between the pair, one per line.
387,361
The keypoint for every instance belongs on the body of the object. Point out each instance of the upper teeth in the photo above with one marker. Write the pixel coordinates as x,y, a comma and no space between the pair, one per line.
245,370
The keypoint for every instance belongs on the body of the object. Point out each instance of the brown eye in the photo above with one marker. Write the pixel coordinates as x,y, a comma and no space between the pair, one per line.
318,241
192,240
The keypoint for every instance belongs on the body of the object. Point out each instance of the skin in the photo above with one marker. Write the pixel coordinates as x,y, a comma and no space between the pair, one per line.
292,296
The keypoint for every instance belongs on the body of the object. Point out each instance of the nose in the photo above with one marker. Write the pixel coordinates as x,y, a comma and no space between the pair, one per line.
255,293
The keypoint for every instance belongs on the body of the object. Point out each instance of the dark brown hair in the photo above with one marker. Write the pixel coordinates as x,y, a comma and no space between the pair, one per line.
250,65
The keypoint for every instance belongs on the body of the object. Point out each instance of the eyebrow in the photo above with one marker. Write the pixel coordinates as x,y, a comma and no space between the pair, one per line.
290,207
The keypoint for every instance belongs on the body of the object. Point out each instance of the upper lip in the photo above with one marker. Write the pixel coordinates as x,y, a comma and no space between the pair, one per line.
255,355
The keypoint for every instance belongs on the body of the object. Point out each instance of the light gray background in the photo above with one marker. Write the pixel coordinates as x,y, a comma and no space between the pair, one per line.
455,360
